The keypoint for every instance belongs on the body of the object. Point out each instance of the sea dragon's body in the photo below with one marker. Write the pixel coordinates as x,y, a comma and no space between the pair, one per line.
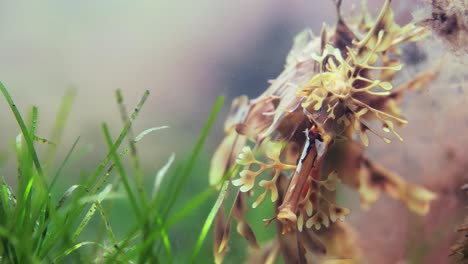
304,126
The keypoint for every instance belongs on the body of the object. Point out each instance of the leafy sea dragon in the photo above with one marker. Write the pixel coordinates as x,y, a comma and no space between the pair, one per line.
307,133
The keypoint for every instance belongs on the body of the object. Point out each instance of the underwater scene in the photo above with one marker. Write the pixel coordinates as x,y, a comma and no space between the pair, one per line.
326,131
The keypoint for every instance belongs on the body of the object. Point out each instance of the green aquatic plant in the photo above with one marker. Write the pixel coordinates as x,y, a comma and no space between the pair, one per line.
38,224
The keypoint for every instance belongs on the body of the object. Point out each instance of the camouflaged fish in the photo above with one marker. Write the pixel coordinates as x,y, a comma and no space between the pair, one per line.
307,133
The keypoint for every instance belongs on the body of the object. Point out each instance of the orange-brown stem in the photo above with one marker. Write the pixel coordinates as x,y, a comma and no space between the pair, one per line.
305,169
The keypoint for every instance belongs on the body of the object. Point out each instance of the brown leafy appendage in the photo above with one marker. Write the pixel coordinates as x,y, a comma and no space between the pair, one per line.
460,249
295,140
